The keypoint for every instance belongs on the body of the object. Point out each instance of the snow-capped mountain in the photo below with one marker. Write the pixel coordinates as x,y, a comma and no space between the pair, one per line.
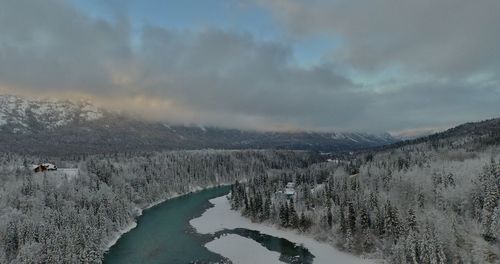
58,127
22,115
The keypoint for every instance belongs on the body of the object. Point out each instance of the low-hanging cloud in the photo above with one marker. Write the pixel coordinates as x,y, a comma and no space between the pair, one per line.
224,78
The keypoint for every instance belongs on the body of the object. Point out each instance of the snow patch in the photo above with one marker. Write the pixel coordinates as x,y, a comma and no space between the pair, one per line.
242,250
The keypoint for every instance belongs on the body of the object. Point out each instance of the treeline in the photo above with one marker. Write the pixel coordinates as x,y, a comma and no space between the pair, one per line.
423,203
49,219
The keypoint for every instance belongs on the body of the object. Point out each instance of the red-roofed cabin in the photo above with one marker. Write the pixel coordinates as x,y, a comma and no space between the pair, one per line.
44,167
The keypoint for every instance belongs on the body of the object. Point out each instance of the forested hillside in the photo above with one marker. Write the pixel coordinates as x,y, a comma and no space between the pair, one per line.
433,200
469,135
46,219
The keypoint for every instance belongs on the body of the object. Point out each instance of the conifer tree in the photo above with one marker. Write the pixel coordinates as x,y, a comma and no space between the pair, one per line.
283,215
293,217
364,219
411,220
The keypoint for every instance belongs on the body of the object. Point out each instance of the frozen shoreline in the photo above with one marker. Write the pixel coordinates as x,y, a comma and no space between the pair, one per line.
114,239
221,217
119,234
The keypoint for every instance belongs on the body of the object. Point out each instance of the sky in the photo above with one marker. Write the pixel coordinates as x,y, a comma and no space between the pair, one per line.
316,65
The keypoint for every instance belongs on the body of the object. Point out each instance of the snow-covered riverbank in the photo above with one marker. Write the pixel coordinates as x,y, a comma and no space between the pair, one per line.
221,217
119,234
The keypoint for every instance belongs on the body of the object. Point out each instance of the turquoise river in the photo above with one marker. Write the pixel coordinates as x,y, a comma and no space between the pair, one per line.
163,235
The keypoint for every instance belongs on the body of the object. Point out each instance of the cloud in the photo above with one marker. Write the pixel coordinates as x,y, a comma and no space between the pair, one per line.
226,78
50,45
447,37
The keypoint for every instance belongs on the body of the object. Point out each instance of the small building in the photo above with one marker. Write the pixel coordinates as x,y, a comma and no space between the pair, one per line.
42,167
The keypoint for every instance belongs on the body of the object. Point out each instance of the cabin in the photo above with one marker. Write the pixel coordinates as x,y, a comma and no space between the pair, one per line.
43,167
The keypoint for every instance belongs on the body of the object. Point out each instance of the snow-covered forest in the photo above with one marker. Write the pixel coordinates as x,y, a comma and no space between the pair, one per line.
433,200
57,220
430,201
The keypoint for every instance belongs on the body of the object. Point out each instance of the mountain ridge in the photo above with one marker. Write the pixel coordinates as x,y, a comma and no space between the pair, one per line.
53,126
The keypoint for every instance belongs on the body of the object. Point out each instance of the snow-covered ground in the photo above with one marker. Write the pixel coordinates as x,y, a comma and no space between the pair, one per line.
66,173
222,217
58,176
241,250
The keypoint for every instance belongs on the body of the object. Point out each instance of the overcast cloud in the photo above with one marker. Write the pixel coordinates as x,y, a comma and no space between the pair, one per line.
401,65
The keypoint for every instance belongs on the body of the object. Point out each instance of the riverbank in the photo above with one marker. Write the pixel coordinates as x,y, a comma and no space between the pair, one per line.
220,217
